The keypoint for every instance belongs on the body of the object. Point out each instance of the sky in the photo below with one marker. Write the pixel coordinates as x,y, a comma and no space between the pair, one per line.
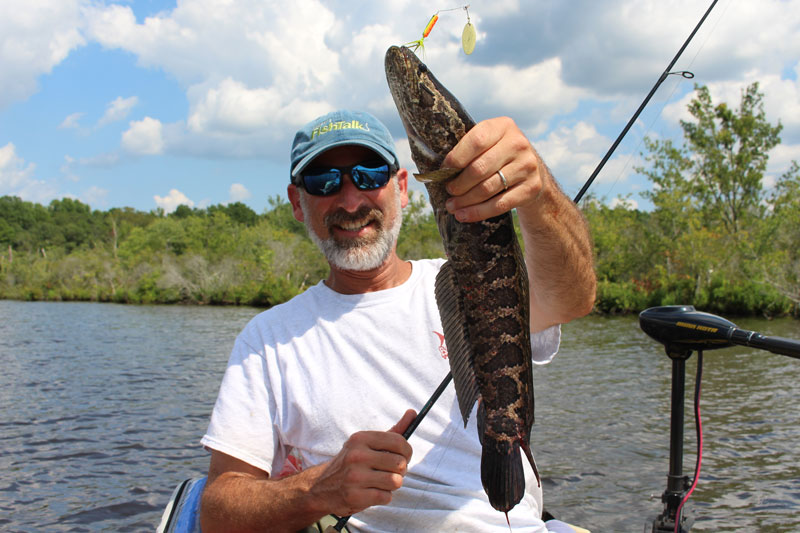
155,103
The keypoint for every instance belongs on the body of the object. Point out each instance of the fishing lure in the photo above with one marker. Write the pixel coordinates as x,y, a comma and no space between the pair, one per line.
468,36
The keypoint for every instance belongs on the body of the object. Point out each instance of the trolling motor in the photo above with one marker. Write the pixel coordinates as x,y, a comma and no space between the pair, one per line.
682,329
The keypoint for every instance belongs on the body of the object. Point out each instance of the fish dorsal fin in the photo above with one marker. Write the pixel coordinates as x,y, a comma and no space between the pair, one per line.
459,349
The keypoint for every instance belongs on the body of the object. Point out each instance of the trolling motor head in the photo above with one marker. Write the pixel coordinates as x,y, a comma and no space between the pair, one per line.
682,329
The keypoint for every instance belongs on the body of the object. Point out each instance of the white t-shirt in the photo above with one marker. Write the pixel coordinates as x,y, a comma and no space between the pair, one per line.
305,375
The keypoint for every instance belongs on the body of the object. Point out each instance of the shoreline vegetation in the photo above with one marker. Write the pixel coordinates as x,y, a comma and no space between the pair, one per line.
716,237
229,255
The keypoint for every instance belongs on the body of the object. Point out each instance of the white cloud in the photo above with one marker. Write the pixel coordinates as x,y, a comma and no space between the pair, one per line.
621,47
71,121
117,110
782,102
232,107
573,152
95,196
171,202
14,173
780,161
254,41
17,178
254,70
35,36
144,137
627,203
238,193
101,160
532,95
66,168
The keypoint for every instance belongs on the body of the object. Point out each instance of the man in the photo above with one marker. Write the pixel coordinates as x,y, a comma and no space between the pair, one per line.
327,379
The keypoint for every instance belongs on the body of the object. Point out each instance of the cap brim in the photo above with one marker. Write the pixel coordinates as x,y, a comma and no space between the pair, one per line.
375,147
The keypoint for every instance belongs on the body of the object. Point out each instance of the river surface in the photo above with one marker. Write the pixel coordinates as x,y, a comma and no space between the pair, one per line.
102,407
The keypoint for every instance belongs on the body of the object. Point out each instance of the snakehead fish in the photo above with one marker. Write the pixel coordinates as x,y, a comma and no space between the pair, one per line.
481,290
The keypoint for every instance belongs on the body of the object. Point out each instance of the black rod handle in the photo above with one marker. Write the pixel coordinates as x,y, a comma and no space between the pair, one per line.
410,429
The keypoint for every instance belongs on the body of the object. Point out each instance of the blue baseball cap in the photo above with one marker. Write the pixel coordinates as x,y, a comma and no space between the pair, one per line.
340,128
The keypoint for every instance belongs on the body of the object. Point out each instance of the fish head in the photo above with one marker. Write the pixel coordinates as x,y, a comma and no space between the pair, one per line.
433,118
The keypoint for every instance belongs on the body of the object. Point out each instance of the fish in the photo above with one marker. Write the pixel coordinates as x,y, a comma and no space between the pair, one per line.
481,290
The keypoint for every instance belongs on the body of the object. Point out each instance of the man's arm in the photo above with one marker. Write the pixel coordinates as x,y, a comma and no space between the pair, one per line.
558,246
241,497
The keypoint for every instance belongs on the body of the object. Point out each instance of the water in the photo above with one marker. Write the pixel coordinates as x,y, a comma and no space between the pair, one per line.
102,407
602,433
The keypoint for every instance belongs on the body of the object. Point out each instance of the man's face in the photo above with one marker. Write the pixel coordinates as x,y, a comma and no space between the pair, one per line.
356,230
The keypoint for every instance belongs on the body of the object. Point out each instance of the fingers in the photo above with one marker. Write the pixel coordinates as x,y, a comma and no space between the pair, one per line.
370,466
477,141
479,192
370,447
404,422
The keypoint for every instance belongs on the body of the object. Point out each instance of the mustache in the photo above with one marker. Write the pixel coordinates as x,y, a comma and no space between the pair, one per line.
364,214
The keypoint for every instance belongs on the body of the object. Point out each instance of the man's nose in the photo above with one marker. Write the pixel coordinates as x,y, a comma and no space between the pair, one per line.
350,197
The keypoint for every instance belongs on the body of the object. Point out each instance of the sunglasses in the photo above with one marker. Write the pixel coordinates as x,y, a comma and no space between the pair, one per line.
367,176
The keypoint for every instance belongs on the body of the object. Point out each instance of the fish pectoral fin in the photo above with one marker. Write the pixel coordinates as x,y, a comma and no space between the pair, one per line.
459,349
443,174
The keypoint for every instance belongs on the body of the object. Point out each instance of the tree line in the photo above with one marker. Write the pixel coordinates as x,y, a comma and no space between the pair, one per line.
716,237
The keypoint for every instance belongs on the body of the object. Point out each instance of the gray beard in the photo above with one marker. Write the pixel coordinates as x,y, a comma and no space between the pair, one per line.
359,254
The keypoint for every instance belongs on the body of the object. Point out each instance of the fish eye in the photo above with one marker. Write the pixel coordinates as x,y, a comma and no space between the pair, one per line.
423,68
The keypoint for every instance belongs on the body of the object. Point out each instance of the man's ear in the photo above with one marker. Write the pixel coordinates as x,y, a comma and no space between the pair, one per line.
402,180
294,198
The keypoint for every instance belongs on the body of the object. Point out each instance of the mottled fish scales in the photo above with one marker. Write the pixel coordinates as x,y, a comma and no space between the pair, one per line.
481,291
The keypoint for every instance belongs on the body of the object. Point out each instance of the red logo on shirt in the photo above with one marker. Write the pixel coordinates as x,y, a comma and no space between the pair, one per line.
442,346
292,465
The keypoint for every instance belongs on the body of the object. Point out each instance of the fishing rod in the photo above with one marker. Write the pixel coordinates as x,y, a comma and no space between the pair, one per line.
446,381
667,72
443,385
589,182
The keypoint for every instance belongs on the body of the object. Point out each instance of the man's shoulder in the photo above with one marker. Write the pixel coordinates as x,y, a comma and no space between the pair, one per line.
429,265
290,311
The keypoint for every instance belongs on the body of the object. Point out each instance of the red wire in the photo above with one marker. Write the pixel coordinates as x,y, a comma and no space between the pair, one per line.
699,427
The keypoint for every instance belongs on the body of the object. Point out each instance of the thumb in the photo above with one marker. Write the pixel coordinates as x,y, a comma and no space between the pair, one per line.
404,422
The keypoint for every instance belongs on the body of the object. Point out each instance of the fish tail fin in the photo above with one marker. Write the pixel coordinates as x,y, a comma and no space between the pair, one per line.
502,475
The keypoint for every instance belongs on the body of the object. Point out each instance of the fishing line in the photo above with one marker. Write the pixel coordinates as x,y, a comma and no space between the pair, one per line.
440,389
642,106
687,74
468,35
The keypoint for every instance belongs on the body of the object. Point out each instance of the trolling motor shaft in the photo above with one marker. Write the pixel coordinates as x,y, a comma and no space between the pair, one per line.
659,323
677,483
682,329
